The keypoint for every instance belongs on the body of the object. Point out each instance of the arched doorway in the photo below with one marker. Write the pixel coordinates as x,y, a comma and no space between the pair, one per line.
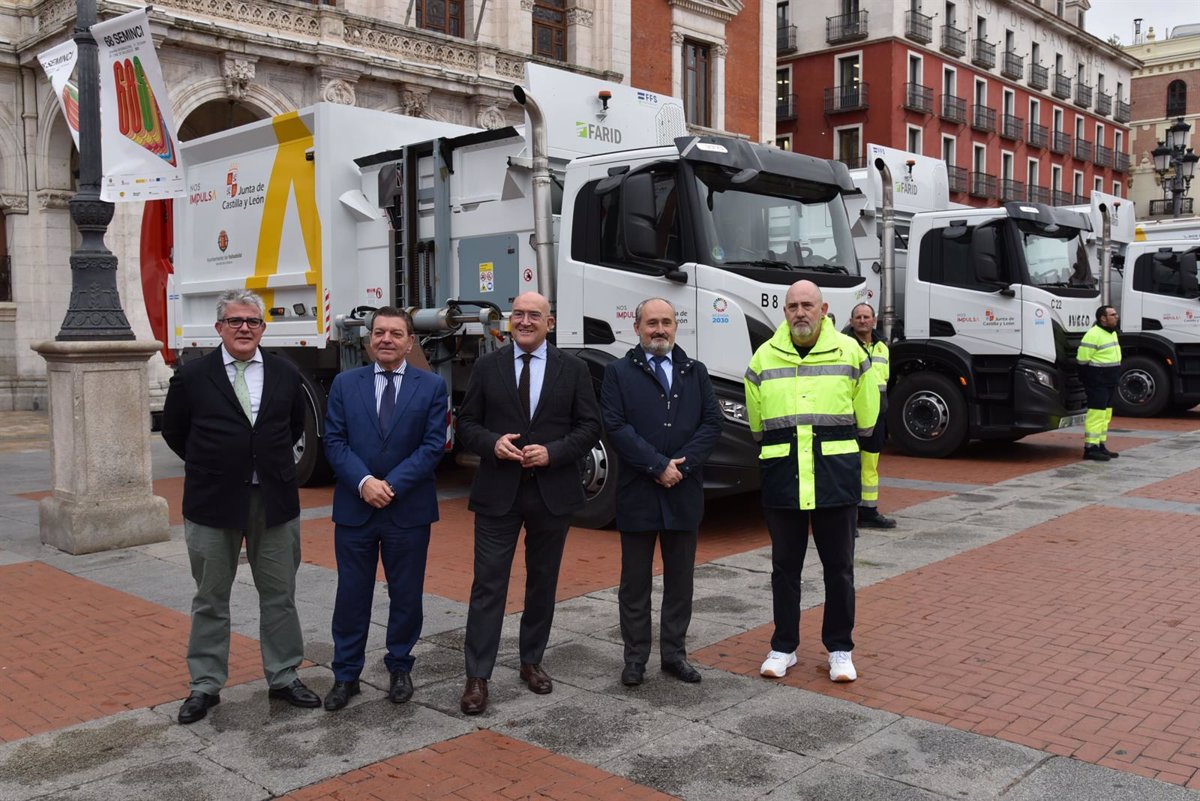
216,116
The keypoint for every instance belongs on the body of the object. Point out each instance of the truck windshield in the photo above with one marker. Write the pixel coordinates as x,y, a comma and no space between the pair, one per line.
758,230
1057,259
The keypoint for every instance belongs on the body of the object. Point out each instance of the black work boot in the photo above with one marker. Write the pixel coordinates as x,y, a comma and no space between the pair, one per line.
869,517
1104,449
1095,454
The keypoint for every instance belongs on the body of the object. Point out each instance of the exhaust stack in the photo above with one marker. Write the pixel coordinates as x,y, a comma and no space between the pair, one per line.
1105,255
887,311
543,198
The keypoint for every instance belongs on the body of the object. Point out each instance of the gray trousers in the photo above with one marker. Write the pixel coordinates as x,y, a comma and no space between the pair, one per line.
274,556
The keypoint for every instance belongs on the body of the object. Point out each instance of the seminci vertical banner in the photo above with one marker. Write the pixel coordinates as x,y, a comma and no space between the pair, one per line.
59,64
141,153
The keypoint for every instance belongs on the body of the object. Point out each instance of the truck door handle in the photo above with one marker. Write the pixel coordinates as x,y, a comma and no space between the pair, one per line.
1008,292
678,276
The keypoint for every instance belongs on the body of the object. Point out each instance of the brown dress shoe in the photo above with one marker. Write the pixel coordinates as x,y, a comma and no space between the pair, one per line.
474,697
538,680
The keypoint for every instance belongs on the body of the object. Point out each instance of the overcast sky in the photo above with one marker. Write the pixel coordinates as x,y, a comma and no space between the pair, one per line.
1116,16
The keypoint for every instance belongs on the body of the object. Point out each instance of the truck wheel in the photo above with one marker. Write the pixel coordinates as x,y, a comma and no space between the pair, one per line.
311,468
1144,389
927,416
599,487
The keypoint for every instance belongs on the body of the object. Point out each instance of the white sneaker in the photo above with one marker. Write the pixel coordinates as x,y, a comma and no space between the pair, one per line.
841,667
777,664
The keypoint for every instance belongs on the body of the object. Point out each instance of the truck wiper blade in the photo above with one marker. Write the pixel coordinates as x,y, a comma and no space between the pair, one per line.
825,268
782,265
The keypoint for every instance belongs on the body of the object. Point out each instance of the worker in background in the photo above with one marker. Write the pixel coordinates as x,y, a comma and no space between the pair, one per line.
810,395
1099,368
862,327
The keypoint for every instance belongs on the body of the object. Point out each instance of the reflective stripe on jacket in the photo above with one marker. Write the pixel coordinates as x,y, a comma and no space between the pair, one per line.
808,414
1099,348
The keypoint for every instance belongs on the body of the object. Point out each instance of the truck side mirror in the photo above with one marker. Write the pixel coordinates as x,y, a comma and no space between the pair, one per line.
638,219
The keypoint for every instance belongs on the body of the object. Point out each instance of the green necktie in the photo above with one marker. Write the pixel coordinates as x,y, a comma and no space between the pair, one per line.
241,388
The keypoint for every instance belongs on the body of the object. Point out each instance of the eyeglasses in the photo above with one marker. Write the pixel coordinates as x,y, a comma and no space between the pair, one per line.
531,316
237,322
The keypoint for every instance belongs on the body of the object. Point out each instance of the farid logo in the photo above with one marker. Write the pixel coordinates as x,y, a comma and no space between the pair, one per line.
222,241
231,181
598,133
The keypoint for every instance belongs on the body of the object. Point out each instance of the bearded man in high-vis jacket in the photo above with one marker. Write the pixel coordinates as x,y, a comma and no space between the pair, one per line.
1100,368
810,395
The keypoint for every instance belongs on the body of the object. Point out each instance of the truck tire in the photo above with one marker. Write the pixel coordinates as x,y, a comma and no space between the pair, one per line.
599,487
927,416
311,468
1144,389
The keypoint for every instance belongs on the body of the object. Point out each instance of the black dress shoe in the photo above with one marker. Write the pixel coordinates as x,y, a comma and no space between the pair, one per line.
196,706
341,694
633,674
682,671
296,694
401,689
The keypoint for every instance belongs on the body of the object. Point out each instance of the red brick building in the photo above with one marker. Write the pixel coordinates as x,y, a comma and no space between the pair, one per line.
1016,97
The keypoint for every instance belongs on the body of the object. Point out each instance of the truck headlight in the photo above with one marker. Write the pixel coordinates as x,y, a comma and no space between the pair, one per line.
735,411
1043,377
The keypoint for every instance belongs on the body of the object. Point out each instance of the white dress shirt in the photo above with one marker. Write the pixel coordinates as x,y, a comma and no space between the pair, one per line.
537,372
254,378
668,366
380,386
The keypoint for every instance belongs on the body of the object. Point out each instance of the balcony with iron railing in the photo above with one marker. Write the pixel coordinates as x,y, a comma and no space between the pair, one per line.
1012,127
1122,112
1083,95
1121,162
1062,87
1103,103
1038,194
918,27
983,118
856,162
846,27
918,98
1012,190
1039,76
983,185
1060,143
1104,156
785,39
1039,135
852,97
954,41
1166,206
1061,198
983,54
1013,66
957,178
785,107
954,109
1083,150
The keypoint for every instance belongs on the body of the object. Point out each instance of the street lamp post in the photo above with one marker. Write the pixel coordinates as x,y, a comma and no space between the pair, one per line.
94,311
1172,156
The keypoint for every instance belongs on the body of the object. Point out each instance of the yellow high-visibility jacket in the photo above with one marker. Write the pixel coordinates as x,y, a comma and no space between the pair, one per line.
807,414
1100,348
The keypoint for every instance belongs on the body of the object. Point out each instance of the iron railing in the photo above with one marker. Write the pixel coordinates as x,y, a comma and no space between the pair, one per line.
1103,103
1062,87
954,41
1038,135
846,27
1083,95
1166,206
851,97
1121,162
1039,194
954,109
1011,127
1083,150
1104,156
983,54
983,185
1039,76
918,98
1061,198
785,107
958,178
856,162
1122,112
1012,190
1060,143
785,39
918,27
1013,66
983,118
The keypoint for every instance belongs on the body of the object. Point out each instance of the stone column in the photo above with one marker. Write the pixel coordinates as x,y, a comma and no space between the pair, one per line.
100,447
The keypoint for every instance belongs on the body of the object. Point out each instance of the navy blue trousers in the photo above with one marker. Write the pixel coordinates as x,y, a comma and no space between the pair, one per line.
359,549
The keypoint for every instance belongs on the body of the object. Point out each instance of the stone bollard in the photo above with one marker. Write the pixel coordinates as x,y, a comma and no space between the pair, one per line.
103,497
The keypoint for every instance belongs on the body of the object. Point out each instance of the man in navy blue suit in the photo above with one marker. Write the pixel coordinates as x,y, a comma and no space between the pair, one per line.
385,431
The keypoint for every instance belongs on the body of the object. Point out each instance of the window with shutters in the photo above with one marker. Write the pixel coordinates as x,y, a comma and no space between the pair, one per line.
550,29
443,16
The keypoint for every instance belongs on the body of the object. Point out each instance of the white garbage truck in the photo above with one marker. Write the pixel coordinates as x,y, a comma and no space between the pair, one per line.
601,200
988,308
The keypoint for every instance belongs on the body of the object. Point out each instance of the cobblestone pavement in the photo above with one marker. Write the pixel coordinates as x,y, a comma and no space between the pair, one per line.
1031,630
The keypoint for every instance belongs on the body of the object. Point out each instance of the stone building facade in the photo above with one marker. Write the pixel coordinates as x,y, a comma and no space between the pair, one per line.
227,62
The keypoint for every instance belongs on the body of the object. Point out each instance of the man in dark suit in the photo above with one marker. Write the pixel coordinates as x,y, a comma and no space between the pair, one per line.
385,432
233,416
663,421
530,414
